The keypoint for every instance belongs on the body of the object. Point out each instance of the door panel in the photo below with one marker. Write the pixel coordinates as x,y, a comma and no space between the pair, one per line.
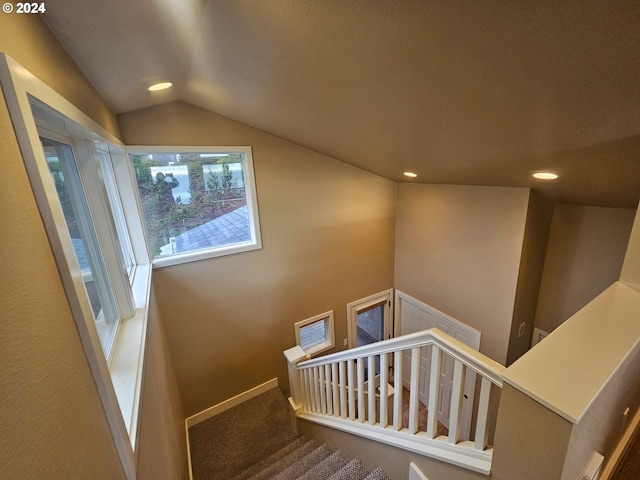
412,316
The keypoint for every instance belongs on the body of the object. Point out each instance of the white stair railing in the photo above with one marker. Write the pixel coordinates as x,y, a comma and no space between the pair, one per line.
336,391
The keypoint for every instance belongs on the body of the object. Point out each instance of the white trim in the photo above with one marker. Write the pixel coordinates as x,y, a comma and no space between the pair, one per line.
462,352
19,85
196,256
432,317
415,473
474,334
127,363
230,403
329,333
354,307
462,454
219,408
250,194
190,465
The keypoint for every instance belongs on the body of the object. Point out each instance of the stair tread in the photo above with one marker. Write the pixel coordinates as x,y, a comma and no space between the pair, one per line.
284,462
304,464
326,467
354,470
271,459
378,474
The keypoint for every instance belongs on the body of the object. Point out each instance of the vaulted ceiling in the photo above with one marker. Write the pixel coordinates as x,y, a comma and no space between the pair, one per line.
460,92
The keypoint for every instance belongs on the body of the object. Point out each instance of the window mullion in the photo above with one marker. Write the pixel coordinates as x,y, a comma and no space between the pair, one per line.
110,182
132,209
98,202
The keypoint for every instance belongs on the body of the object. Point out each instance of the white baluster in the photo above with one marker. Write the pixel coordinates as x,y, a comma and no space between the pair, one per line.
316,391
321,390
397,390
371,367
334,385
455,412
327,389
343,389
352,393
306,389
414,392
434,392
361,405
384,390
483,415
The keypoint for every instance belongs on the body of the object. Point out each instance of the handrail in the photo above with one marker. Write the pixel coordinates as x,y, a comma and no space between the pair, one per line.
480,363
336,391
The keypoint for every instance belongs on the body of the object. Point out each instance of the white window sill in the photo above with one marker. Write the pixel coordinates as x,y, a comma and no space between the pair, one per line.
128,354
177,259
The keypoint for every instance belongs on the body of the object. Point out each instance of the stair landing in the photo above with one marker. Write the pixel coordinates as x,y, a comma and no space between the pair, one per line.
254,441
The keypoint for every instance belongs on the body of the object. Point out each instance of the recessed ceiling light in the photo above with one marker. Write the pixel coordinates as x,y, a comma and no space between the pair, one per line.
159,86
410,174
545,175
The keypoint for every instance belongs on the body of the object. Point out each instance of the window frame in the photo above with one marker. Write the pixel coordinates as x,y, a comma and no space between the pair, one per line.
105,153
329,333
250,192
118,380
353,308
78,184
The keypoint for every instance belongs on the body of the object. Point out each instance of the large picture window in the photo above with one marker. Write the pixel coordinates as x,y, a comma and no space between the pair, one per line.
198,202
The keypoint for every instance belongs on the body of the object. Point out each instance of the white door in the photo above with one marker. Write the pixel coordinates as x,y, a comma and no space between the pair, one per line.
413,316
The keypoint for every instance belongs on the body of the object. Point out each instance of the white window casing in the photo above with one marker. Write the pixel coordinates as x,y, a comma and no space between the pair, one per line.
252,243
119,381
319,332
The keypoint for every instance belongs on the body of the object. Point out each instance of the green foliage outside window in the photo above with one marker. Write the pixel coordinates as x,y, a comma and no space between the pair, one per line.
210,183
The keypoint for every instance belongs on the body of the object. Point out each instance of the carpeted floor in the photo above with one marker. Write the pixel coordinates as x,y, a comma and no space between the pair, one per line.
236,441
220,450
422,415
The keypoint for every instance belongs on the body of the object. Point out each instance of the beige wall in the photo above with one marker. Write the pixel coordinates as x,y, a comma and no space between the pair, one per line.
584,256
534,248
327,234
52,421
27,40
602,425
631,269
588,375
53,425
162,442
458,249
531,441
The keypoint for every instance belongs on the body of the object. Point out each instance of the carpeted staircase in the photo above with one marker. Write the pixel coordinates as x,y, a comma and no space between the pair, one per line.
254,441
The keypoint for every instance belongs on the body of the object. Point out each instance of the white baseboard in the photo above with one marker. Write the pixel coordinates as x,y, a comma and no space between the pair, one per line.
221,407
415,473
230,403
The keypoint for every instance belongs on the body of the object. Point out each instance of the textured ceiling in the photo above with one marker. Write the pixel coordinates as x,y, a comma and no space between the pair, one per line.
476,93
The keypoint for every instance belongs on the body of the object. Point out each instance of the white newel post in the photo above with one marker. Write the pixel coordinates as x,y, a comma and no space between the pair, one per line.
294,356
